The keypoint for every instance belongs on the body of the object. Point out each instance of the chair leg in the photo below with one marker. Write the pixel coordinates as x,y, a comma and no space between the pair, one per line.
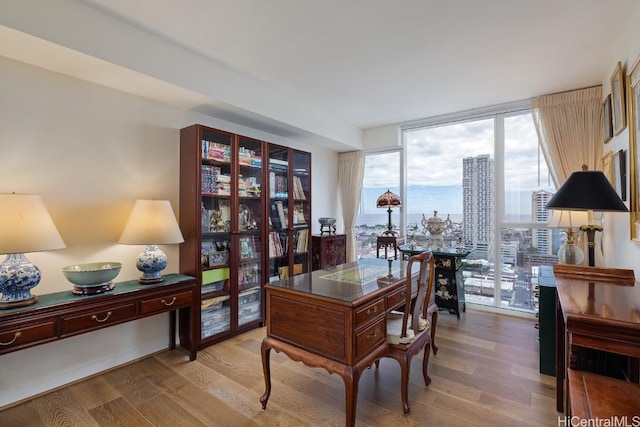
425,364
405,366
434,323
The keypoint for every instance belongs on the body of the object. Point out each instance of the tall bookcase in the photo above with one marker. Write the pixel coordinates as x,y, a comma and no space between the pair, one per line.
228,188
289,200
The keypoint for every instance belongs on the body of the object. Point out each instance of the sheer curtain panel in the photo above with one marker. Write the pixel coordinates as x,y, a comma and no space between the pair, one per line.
350,175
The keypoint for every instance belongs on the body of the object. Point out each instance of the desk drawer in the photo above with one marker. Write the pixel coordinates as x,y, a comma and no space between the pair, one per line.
27,334
98,319
369,312
397,298
165,303
370,338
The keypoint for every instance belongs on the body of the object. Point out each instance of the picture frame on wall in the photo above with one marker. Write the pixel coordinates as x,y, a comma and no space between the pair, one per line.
617,100
620,174
607,168
633,101
607,126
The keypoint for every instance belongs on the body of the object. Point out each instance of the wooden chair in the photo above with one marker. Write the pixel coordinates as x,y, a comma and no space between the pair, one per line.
409,332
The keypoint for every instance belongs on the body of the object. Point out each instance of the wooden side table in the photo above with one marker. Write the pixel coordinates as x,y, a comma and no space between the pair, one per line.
328,250
387,243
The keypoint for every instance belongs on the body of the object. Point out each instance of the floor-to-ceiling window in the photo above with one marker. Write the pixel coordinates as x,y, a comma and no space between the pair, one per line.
381,173
483,173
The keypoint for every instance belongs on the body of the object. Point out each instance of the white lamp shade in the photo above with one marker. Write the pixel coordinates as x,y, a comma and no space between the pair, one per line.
568,219
151,222
26,226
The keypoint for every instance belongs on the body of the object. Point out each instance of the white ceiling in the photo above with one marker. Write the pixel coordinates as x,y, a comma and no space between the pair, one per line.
376,62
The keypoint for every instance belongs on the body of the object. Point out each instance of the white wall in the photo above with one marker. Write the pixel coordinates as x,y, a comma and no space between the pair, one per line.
90,152
619,250
382,137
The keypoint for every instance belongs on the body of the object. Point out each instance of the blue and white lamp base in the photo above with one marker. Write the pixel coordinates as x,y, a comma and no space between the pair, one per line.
18,276
151,262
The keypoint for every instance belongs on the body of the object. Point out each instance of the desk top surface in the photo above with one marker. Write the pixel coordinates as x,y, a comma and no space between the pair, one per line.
349,282
598,294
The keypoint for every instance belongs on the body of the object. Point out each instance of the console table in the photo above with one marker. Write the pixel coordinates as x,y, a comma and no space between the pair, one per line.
62,314
597,308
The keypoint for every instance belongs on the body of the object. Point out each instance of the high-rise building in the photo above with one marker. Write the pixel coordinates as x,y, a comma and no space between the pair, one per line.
541,238
477,210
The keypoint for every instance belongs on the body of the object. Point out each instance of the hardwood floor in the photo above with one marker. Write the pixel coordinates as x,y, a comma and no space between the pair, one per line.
485,374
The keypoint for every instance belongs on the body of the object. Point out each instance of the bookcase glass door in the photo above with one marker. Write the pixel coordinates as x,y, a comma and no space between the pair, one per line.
249,228
278,213
301,215
216,221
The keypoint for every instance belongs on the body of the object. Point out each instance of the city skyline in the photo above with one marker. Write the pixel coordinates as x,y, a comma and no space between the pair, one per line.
435,164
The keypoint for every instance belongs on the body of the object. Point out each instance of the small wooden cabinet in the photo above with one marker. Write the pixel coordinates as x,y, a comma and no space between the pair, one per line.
328,250
449,286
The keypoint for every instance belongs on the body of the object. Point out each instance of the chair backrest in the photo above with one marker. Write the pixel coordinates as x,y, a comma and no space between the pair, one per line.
425,283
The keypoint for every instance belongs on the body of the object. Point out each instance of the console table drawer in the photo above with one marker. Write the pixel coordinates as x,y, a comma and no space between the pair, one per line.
369,312
98,319
370,337
165,303
28,334
397,298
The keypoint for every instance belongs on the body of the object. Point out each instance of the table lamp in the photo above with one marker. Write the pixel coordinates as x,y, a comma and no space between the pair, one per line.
569,252
389,200
588,191
25,226
151,223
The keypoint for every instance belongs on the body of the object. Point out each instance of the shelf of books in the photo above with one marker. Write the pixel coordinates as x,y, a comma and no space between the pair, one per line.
289,212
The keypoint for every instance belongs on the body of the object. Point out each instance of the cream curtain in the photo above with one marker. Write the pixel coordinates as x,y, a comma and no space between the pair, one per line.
350,175
569,127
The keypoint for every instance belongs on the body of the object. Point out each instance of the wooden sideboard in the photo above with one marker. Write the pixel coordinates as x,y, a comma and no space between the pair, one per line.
62,314
597,308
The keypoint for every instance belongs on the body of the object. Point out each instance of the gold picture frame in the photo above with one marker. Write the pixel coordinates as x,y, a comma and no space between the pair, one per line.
617,100
607,126
633,102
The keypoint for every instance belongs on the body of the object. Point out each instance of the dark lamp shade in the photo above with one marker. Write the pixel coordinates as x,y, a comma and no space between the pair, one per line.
388,199
587,190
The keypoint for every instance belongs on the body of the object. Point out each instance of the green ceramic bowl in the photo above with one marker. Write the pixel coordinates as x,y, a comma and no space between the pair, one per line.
91,274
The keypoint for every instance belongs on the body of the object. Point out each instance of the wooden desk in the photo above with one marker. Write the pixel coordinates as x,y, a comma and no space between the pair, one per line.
334,319
62,314
596,308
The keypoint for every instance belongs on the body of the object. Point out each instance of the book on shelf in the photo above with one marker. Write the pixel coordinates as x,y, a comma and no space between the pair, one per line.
282,214
274,216
278,164
298,190
247,247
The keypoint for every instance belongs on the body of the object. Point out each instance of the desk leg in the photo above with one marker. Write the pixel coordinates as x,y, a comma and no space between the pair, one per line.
265,350
560,357
351,377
